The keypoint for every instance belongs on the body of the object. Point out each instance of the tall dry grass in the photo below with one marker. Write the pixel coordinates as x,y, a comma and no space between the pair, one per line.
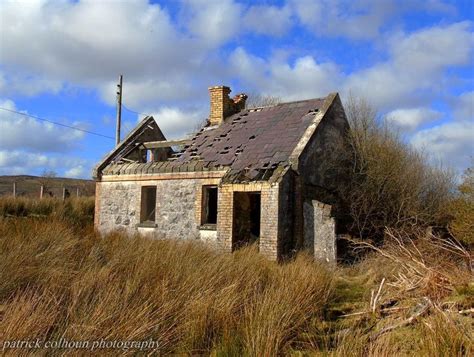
56,282
413,296
75,210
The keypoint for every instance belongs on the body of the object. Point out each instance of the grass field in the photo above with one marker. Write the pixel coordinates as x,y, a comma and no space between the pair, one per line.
60,279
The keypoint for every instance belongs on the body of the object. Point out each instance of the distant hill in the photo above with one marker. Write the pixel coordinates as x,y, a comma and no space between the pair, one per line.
30,186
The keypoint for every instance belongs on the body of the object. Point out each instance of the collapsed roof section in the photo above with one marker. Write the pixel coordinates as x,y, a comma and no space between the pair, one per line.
252,145
131,148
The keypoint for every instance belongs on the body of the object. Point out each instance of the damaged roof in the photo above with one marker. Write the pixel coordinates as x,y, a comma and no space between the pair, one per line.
250,144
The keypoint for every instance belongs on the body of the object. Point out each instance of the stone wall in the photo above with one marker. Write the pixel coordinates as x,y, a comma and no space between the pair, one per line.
119,207
320,162
321,176
175,209
319,231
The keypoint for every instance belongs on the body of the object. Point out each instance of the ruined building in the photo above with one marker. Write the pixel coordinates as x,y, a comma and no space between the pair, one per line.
249,175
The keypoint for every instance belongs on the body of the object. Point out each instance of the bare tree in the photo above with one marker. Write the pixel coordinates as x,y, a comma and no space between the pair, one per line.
462,209
86,188
390,184
256,100
47,180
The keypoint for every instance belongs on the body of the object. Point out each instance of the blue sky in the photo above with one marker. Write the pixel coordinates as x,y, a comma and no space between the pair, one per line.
60,60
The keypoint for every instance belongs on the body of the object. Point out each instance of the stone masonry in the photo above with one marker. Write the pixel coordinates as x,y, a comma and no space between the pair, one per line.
280,158
175,204
319,231
178,208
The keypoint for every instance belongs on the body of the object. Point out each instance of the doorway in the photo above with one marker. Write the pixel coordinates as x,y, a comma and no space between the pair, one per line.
246,219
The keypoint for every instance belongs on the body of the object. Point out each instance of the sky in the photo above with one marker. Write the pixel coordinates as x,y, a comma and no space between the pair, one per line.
60,60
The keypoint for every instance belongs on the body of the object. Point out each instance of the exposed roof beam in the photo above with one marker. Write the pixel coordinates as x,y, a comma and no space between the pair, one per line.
164,144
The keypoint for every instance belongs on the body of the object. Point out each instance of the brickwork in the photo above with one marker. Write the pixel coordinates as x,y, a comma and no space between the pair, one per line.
225,207
268,244
198,200
220,104
269,222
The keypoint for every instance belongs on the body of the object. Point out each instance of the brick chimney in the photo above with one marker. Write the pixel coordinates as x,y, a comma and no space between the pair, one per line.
222,105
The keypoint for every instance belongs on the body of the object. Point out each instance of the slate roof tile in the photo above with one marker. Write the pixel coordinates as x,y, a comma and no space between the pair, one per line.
253,139
251,143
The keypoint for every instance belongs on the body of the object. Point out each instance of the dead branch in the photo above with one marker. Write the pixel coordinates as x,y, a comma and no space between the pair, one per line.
423,310
383,311
466,312
373,302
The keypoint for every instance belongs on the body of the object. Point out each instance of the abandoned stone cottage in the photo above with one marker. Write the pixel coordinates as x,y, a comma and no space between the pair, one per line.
249,175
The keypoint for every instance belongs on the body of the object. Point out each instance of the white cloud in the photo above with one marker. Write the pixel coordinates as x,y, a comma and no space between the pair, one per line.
47,46
88,43
432,49
248,67
464,107
212,21
19,131
174,122
354,19
416,67
136,93
303,79
29,146
76,172
268,20
21,162
411,118
29,85
451,143
359,20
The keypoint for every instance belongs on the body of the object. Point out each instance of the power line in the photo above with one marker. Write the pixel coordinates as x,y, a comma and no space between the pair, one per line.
133,111
56,123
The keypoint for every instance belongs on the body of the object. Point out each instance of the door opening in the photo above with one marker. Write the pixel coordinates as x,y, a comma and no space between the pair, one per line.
246,219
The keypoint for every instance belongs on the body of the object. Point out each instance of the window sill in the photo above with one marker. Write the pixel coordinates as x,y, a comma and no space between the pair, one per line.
208,227
147,225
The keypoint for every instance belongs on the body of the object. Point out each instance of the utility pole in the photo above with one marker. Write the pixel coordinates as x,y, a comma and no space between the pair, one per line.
119,110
